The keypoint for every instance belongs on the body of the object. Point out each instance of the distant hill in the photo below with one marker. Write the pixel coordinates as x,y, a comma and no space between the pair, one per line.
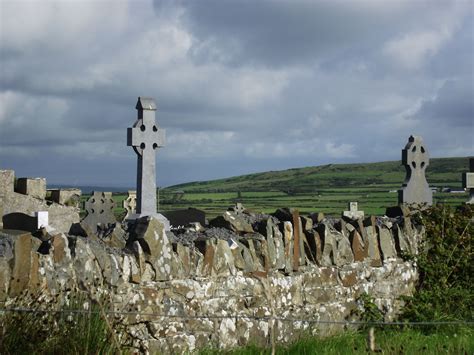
86,189
442,172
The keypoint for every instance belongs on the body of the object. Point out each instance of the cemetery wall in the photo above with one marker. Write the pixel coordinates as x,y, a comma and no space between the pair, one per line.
246,278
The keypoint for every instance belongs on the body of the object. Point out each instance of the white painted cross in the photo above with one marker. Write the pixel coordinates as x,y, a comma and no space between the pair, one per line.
145,137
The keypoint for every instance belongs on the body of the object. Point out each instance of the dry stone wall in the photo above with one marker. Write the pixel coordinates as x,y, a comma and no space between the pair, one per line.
245,278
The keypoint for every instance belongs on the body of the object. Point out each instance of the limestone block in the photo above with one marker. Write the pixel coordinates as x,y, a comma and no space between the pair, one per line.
24,263
343,254
224,259
387,245
60,247
6,255
34,187
87,270
329,247
401,243
7,182
208,261
254,248
60,217
288,238
359,248
68,197
373,250
251,265
279,248
348,278
233,221
150,233
270,244
116,238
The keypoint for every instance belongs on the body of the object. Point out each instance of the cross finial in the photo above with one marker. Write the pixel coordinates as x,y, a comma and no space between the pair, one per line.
146,103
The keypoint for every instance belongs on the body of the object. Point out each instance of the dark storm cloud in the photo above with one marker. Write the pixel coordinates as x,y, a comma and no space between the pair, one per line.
283,33
241,86
454,104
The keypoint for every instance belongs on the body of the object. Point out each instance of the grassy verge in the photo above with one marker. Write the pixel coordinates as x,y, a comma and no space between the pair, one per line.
406,341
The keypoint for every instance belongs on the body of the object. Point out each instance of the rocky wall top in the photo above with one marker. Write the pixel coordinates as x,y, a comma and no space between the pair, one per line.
222,280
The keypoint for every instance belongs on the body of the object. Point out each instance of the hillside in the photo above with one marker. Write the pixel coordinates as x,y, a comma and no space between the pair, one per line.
326,188
441,172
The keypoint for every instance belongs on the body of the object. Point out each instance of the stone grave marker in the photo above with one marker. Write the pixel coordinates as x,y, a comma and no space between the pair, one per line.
145,137
468,181
130,204
415,188
353,212
100,210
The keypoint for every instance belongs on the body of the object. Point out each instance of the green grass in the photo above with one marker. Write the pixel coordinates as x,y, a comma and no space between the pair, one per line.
440,172
326,189
408,341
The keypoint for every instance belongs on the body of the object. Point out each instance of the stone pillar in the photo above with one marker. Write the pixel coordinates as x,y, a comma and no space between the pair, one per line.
7,186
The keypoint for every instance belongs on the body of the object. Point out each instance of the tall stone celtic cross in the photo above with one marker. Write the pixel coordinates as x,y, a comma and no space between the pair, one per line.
145,137
415,188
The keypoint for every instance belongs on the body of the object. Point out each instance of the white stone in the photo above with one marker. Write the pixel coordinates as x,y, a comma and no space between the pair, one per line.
42,219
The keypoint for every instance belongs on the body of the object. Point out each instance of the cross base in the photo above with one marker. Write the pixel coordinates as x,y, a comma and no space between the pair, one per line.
157,216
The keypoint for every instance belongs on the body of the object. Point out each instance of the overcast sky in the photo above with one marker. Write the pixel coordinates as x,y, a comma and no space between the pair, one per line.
241,86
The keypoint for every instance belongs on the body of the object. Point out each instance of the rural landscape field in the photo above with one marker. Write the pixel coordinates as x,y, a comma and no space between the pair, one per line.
325,188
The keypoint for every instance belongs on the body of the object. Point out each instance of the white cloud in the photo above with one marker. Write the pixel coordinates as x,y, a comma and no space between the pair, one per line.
233,84
412,50
199,144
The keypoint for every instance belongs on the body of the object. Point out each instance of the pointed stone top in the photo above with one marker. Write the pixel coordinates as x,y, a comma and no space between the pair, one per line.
417,139
146,103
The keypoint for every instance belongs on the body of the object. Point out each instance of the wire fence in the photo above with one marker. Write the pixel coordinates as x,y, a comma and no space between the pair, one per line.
236,316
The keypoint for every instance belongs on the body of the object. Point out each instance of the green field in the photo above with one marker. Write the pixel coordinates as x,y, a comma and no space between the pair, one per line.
326,188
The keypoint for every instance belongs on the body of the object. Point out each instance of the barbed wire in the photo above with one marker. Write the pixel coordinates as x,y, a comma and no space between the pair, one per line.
237,316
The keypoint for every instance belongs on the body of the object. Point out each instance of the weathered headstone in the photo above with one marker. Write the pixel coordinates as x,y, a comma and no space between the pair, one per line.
130,204
415,189
468,181
353,212
35,187
100,210
145,137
